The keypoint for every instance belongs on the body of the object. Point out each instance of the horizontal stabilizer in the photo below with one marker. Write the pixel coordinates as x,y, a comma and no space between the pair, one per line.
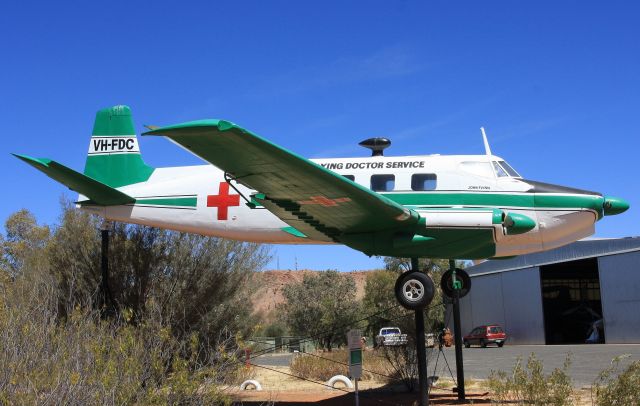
97,192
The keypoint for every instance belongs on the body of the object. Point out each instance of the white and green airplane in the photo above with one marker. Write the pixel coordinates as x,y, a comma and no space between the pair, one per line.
455,206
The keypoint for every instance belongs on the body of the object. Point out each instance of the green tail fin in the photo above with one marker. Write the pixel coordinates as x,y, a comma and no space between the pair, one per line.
97,192
114,155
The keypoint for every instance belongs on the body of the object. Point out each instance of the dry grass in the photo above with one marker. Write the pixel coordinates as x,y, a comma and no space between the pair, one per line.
84,359
322,366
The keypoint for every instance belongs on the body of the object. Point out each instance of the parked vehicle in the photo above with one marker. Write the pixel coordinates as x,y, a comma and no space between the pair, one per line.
430,340
389,336
485,335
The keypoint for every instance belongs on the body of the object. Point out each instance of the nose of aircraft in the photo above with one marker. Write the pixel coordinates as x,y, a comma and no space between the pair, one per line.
614,205
610,205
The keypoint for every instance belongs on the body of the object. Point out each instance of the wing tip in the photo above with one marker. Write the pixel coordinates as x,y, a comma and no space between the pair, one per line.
31,160
221,125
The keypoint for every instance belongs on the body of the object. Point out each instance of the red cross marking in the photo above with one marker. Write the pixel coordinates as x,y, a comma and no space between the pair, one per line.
223,200
325,201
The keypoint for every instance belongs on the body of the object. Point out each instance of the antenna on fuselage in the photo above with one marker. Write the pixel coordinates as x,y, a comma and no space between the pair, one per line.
487,149
376,145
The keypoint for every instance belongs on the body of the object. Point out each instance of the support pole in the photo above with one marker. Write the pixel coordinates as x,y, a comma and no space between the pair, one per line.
421,351
357,395
422,359
457,334
104,265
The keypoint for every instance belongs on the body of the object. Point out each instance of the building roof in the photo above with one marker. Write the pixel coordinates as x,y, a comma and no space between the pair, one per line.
577,250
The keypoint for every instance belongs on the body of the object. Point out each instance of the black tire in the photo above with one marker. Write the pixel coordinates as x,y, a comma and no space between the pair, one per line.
466,344
446,283
483,344
414,290
500,344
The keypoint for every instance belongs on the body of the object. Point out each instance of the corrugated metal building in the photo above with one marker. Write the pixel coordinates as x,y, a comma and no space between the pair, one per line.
560,296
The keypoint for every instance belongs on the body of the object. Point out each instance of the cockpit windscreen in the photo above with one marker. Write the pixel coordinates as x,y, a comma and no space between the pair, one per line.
506,168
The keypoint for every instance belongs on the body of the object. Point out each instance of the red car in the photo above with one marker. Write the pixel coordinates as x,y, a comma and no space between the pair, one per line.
483,335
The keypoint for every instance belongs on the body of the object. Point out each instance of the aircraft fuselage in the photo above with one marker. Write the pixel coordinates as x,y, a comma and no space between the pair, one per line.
457,195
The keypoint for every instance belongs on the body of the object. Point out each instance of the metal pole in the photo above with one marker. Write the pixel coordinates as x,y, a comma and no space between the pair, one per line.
357,398
104,264
421,350
457,334
422,359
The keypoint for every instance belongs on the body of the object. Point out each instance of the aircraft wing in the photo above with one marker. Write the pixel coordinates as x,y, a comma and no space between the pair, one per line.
315,201
97,192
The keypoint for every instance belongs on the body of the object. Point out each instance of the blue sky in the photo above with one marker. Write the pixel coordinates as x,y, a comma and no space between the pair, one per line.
556,84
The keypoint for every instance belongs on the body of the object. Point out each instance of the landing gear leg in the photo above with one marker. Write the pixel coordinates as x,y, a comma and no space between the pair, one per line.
414,290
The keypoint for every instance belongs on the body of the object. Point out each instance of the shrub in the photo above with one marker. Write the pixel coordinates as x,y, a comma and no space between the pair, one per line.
320,369
86,360
613,387
529,385
322,366
181,314
403,364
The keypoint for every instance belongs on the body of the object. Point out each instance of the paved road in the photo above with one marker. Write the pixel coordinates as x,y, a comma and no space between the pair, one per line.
586,360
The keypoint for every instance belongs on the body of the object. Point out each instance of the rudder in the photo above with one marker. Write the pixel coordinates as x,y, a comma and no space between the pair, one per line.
114,154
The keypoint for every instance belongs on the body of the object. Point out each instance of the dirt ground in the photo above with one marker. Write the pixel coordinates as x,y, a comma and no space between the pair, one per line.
280,389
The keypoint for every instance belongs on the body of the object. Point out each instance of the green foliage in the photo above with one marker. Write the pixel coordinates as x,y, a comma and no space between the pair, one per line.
531,386
379,299
87,360
183,310
273,329
427,265
201,283
323,305
23,240
615,387
73,258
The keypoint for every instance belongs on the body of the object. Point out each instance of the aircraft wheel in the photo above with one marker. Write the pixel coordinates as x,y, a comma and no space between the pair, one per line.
414,290
446,283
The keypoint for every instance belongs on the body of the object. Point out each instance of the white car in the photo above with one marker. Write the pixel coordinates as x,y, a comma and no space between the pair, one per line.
390,336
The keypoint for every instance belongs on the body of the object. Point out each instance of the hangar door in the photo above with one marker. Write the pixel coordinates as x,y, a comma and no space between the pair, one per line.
571,302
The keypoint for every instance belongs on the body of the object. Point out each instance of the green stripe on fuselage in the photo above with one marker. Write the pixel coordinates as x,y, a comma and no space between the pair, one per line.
190,201
524,200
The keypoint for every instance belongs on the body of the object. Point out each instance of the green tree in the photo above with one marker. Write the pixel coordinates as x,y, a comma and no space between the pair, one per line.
199,284
323,305
379,299
73,258
183,303
24,240
206,283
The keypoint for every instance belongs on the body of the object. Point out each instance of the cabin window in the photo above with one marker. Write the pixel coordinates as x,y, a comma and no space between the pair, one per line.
350,177
423,181
383,183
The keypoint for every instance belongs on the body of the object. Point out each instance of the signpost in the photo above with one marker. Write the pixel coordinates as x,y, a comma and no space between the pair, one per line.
354,341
